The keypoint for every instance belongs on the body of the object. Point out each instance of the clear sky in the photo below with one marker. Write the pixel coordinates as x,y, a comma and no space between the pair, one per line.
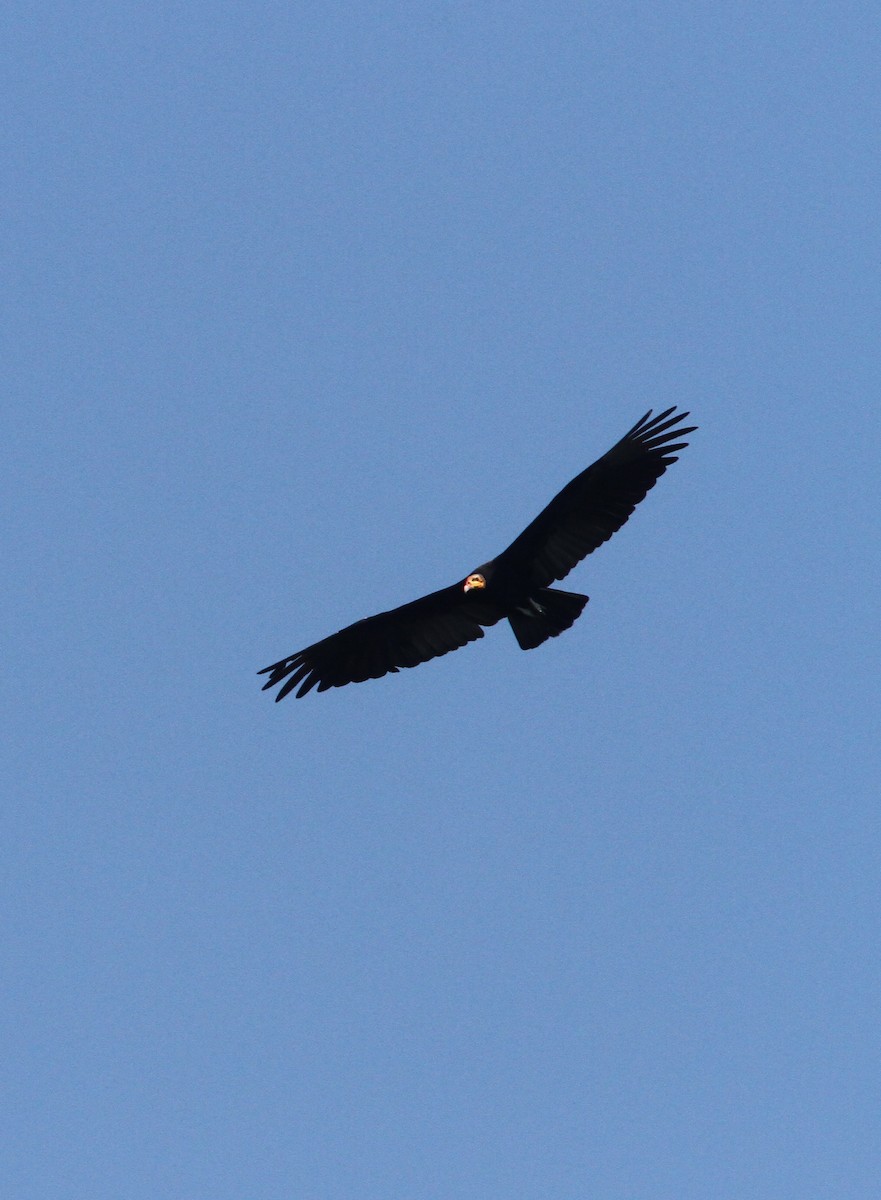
308,310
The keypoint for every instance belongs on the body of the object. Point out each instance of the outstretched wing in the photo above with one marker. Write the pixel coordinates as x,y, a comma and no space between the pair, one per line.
402,637
598,501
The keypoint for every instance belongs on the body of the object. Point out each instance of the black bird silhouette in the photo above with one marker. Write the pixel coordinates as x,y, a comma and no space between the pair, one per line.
515,585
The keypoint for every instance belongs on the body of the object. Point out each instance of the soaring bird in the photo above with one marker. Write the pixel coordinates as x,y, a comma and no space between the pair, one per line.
515,585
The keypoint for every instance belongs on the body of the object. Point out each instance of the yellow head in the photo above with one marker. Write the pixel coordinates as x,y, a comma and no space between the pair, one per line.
475,580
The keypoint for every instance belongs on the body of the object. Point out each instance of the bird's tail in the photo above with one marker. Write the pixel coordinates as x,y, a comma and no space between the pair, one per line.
549,613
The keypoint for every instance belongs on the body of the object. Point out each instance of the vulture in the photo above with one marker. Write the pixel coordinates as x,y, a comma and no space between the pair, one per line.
516,585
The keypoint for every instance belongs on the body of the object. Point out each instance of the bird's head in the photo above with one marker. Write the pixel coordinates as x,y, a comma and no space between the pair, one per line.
475,580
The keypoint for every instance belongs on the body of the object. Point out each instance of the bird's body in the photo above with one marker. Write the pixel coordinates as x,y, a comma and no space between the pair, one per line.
515,585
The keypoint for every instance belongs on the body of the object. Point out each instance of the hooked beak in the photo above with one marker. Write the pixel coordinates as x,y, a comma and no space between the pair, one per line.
474,581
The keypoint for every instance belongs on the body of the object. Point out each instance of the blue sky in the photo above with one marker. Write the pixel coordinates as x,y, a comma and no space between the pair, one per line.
309,309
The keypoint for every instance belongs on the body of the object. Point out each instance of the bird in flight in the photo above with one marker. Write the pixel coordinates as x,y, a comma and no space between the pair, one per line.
516,584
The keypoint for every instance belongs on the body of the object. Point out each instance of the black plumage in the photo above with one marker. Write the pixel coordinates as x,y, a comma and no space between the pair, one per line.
515,585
